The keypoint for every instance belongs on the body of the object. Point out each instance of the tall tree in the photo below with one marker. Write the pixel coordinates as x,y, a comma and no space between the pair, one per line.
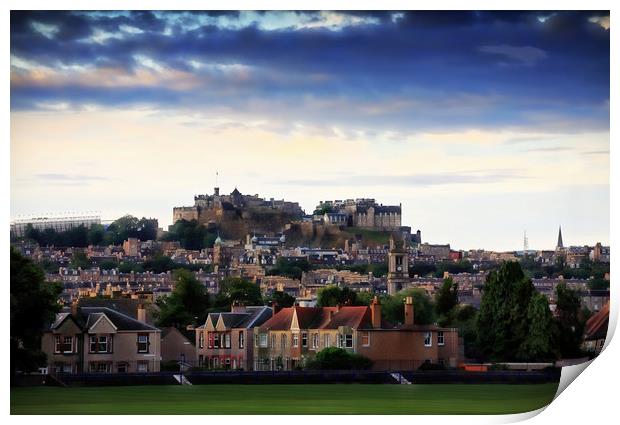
34,304
570,322
234,289
332,295
187,304
502,319
447,297
423,309
282,299
539,342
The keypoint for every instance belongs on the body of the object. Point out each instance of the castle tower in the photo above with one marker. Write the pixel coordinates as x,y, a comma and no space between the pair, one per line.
398,266
560,244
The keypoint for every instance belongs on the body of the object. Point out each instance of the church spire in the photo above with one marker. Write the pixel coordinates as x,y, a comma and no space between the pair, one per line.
560,244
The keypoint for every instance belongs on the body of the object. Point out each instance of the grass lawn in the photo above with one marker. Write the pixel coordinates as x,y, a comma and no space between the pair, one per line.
284,399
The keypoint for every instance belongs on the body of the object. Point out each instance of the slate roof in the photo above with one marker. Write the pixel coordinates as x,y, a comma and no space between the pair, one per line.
253,316
88,316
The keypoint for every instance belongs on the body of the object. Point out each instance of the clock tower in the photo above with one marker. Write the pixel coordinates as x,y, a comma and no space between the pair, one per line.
398,265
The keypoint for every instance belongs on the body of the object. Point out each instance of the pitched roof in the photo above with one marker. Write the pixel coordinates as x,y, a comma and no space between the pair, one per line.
122,322
253,316
596,326
352,317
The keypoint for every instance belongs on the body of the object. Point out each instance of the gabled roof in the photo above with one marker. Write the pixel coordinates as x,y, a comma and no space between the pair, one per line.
352,317
121,321
252,316
596,326
88,316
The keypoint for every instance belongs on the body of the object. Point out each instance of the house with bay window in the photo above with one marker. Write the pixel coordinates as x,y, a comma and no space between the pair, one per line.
225,339
100,340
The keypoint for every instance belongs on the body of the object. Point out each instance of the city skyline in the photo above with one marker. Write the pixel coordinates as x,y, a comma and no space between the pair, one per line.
481,124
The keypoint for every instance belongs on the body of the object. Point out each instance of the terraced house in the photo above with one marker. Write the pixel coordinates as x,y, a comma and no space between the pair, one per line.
294,335
225,340
100,340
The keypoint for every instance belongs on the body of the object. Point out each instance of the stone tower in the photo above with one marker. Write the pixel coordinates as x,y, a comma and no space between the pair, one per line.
398,265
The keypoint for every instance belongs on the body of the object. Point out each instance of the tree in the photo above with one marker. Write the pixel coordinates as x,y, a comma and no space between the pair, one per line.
333,358
570,323
394,311
234,289
503,323
282,299
331,296
34,305
80,260
447,297
539,343
290,268
188,303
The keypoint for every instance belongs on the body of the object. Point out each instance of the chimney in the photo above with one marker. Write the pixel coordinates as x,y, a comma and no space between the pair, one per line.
74,308
409,311
375,313
237,307
274,308
141,313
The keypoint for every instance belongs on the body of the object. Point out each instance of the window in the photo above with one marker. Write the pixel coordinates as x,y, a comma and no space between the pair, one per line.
102,347
122,368
315,341
143,343
57,344
201,340
399,261
295,340
304,339
201,360
241,339
99,367
143,367
210,338
226,340
66,368
339,340
263,340
100,344
273,340
440,338
365,339
67,344
326,340
427,339
93,344
216,340
348,341
283,341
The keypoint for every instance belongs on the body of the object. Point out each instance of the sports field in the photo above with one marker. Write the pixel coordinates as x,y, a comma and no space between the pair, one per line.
284,399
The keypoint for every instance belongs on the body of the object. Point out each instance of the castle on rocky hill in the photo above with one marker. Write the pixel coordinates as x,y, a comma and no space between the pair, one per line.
236,215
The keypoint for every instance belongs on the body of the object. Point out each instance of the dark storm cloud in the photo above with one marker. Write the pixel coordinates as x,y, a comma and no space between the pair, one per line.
534,62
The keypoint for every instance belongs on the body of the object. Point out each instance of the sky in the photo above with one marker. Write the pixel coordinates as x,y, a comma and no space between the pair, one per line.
484,125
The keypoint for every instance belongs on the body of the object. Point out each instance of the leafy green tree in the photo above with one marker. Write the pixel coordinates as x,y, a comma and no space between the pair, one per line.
95,234
447,297
570,322
188,303
332,295
190,234
234,289
289,268
539,342
333,358
282,299
108,265
423,309
34,304
502,320
159,264
80,260
364,298
598,284
126,267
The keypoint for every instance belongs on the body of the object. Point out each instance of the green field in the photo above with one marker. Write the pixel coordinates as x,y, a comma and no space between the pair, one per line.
284,399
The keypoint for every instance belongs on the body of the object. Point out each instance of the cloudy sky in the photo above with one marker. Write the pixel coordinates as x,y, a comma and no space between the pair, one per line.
481,124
